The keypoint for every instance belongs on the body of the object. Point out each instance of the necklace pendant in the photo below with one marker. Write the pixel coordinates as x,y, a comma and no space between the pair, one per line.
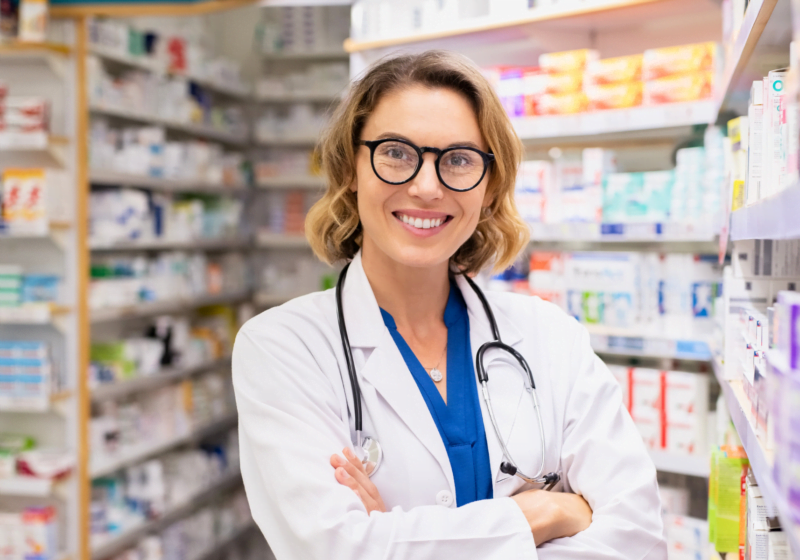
436,375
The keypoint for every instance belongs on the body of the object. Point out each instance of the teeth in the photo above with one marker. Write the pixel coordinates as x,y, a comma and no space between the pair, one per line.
420,223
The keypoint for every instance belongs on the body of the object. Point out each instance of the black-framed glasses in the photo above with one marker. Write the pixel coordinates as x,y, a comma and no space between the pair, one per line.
397,161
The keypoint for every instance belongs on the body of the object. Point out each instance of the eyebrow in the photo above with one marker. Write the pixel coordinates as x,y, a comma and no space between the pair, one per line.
398,136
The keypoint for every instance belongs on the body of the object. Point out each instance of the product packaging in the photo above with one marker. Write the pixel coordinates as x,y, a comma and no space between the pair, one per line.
755,156
562,104
678,88
621,69
738,133
614,96
728,471
565,82
567,61
10,285
24,201
685,59
33,21
774,163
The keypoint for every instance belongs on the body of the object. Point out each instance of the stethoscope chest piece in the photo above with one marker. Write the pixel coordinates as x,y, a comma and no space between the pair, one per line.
371,455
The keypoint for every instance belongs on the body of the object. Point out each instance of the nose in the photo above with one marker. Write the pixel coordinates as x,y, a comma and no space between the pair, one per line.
426,184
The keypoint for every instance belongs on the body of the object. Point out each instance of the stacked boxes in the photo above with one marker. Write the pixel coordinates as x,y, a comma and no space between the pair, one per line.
614,83
23,201
26,379
637,197
24,121
669,408
679,74
30,533
563,93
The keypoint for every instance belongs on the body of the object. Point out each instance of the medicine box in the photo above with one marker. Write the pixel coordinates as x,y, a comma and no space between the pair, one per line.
616,70
684,59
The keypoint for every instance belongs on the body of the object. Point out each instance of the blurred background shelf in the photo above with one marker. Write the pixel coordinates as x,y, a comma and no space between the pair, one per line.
101,177
777,217
148,309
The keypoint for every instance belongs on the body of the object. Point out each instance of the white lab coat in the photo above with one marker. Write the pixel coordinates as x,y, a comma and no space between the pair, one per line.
293,395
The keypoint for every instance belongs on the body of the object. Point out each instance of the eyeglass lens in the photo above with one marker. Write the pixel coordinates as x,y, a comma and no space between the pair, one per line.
459,169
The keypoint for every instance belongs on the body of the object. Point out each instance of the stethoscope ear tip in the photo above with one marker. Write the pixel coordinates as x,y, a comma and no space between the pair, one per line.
508,468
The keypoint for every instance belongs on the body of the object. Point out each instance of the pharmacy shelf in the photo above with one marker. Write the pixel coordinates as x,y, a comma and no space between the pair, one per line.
622,233
309,56
755,20
160,245
53,55
293,182
775,217
224,543
298,98
105,547
309,142
148,309
32,314
629,342
143,63
101,177
616,125
690,465
596,16
267,240
144,451
32,149
165,376
36,405
760,459
26,486
203,131
51,227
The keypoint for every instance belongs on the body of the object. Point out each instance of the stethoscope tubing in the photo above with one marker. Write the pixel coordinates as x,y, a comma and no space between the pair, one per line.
508,465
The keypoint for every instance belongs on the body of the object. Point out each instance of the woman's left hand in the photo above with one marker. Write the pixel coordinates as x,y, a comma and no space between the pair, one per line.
350,472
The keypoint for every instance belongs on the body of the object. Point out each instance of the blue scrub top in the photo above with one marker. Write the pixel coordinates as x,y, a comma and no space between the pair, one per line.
460,421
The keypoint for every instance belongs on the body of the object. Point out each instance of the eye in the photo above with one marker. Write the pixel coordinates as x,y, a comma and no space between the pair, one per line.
395,153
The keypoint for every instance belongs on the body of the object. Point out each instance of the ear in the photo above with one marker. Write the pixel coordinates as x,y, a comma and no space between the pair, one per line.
354,184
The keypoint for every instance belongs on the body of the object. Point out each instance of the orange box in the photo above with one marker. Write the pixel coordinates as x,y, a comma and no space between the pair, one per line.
562,104
675,89
571,82
567,61
614,70
658,63
614,96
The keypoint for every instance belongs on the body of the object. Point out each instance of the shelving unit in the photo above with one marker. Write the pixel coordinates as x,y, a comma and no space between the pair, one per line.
100,177
645,124
223,244
629,342
149,309
292,182
760,459
280,240
772,218
200,130
163,377
107,547
51,71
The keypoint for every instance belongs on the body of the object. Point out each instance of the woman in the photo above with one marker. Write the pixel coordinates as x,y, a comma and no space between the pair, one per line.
414,220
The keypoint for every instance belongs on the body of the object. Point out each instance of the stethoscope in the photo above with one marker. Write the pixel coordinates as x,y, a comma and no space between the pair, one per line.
370,448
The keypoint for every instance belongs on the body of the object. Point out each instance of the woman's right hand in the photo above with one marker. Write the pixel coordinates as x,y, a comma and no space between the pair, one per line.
553,515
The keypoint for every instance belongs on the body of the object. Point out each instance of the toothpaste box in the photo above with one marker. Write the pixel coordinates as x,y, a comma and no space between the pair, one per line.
562,104
678,88
614,96
685,59
568,82
616,70
567,61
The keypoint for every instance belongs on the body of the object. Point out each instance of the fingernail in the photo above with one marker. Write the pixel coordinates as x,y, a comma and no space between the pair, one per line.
343,472
348,453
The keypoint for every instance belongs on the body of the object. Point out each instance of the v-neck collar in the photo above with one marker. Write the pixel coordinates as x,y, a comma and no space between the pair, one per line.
456,319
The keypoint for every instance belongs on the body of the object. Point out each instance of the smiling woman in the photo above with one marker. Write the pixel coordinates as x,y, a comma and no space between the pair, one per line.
421,163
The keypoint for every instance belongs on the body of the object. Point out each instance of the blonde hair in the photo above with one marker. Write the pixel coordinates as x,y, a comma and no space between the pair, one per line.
333,227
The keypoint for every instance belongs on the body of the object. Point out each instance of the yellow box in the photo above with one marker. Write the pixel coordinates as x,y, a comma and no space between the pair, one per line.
567,61
562,104
675,89
571,82
614,96
614,70
658,63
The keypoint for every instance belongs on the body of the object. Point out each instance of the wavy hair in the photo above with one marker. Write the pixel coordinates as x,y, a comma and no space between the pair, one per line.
332,225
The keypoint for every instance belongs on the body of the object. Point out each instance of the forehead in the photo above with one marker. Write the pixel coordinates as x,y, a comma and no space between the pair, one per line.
430,116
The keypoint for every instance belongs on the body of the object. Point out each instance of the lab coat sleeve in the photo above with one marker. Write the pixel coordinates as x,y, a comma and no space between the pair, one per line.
604,460
290,424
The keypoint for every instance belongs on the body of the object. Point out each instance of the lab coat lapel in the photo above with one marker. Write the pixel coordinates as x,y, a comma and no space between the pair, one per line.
385,369
505,377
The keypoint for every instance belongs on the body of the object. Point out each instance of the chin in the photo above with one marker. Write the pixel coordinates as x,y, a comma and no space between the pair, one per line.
420,257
